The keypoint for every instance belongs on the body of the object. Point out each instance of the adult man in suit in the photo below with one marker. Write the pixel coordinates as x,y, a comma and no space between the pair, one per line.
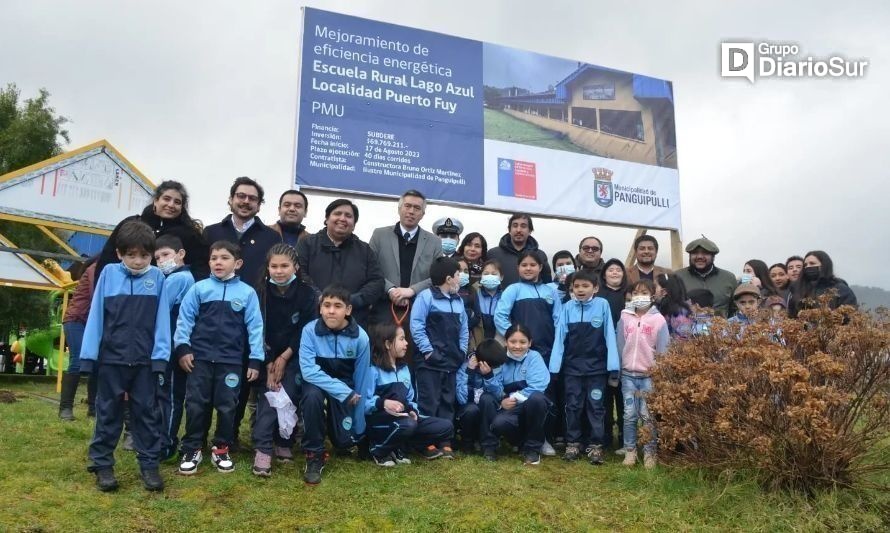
405,252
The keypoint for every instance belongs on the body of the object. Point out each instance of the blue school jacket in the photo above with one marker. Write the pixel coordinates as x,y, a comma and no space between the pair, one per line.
129,321
585,340
337,362
219,321
440,330
389,385
526,375
535,306
176,286
485,308
468,382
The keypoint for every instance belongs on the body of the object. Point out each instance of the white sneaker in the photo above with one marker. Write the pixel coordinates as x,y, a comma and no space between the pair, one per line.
548,450
190,462
222,460
400,458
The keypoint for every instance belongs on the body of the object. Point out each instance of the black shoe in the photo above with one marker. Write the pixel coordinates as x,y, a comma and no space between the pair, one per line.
105,480
595,455
447,452
151,480
66,414
490,454
314,465
573,451
531,457
431,452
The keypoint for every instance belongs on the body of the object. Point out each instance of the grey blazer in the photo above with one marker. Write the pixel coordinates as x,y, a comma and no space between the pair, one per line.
385,244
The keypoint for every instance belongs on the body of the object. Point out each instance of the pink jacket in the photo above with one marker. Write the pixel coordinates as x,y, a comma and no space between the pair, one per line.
640,339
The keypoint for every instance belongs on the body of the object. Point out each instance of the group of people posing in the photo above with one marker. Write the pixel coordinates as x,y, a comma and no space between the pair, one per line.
416,342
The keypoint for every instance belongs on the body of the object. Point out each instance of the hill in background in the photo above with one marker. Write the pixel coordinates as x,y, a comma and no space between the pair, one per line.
871,297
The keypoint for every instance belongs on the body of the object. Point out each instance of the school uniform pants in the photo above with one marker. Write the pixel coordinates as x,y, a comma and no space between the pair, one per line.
388,433
265,430
524,424
243,399
336,421
436,392
211,386
475,421
138,381
584,401
171,403
614,403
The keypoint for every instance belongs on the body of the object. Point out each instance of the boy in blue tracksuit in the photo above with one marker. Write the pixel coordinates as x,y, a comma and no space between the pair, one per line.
128,336
440,330
584,354
170,258
219,320
335,359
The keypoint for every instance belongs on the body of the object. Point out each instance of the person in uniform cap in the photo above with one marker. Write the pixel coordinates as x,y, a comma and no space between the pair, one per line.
702,274
449,230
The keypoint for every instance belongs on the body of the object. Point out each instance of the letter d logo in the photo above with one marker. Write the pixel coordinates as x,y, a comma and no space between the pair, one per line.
737,60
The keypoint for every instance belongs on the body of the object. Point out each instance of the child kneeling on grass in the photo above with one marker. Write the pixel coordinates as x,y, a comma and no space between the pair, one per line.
335,359
642,334
219,318
128,335
520,387
391,412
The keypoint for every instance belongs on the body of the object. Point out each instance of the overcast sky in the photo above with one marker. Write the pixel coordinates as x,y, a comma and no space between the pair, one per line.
204,91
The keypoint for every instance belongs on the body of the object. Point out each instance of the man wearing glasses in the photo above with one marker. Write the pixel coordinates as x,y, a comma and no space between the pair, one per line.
590,255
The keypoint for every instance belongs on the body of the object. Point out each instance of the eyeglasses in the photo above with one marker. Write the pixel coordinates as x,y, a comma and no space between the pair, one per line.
244,196
590,249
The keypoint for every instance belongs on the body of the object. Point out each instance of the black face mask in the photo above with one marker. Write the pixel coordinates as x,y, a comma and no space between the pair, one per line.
811,273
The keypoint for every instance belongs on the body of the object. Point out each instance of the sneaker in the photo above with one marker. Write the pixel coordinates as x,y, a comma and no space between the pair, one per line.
219,456
386,461
151,480
431,452
262,464
284,454
66,414
630,458
189,463
548,450
128,441
447,452
314,465
531,457
649,459
490,454
400,459
573,451
620,451
105,480
595,455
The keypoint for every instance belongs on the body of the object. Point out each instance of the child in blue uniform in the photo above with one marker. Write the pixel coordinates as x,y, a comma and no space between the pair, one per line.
439,328
391,413
287,304
170,258
128,336
335,359
583,355
219,320
520,386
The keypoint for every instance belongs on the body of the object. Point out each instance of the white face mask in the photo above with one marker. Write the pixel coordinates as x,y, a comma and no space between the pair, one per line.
228,276
168,266
138,272
641,302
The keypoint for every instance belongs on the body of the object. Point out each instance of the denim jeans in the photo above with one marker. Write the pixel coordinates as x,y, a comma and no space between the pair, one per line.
74,338
635,390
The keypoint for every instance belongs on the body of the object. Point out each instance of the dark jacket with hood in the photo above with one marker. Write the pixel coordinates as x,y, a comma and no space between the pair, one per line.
845,295
197,252
508,257
615,297
352,264
255,244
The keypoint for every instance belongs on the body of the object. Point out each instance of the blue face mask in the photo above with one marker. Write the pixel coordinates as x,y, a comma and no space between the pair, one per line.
464,279
449,245
490,281
746,278
284,284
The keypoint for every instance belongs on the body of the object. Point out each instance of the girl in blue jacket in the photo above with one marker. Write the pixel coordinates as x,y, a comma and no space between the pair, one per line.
391,414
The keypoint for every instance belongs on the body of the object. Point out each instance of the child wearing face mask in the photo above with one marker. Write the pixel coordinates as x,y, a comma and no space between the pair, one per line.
170,258
642,334
439,327
488,294
563,267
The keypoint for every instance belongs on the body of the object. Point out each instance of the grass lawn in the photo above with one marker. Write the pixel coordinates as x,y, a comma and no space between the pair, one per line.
45,487
500,126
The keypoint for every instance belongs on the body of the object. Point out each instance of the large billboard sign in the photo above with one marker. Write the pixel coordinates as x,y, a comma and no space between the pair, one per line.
386,108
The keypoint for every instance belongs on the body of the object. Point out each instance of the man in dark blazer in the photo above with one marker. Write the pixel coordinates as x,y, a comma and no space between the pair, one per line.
405,252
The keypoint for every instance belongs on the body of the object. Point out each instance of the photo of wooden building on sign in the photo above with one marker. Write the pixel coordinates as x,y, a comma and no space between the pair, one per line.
606,112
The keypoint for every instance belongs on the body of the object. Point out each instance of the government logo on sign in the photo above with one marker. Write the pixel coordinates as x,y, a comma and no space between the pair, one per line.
602,182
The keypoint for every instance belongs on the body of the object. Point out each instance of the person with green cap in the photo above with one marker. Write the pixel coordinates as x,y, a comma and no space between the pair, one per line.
702,274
